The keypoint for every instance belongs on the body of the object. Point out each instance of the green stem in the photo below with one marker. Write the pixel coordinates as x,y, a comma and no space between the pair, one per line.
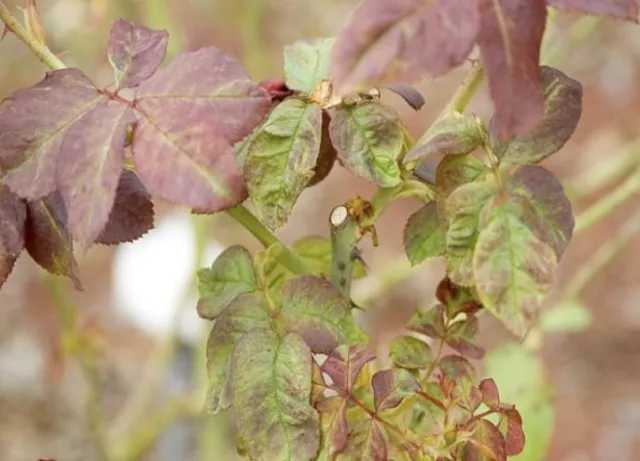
466,91
345,235
39,49
248,220
67,313
610,202
603,256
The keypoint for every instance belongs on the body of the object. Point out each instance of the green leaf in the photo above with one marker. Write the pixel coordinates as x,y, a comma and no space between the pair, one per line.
570,316
369,139
451,135
281,158
429,322
244,314
452,172
513,270
366,441
521,378
319,313
335,432
538,199
315,252
409,352
424,238
272,380
230,276
461,338
463,211
391,386
306,62
562,110
271,273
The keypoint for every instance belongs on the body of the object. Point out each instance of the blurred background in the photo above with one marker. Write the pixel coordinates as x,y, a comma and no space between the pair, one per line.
123,362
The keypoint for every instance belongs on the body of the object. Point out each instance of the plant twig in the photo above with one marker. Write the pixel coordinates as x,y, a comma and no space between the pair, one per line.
39,49
83,353
466,91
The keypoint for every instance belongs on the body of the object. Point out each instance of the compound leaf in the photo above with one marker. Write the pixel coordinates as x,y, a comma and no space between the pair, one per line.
132,214
230,276
463,209
47,238
315,309
453,134
424,238
411,353
281,157
13,214
623,9
246,313
386,42
345,363
391,386
513,270
91,160
369,140
135,52
33,124
510,37
539,201
562,110
306,62
272,380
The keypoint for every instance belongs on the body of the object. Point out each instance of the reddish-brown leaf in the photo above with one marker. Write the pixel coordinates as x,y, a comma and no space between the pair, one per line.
490,394
183,156
510,37
515,438
344,365
403,40
333,417
205,79
91,159
391,386
33,124
624,9
12,218
135,52
132,214
486,444
47,238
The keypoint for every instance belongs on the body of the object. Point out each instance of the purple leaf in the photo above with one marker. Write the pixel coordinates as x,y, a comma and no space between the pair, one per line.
13,214
90,163
205,79
132,214
181,155
403,40
515,437
333,417
47,238
623,9
391,386
33,124
510,37
135,52
344,365
490,394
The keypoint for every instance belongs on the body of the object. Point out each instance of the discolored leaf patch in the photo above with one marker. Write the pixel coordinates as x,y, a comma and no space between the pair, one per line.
344,364
510,37
513,270
47,238
424,237
280,159
366,442
461,337
486,444
463,209
411,353
245,314
272,380
230,276
623,9
135,52
132,214
391,386
319,313
306,62
369,140
333,418
562,110
386,42
13,214
429,322
454,171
